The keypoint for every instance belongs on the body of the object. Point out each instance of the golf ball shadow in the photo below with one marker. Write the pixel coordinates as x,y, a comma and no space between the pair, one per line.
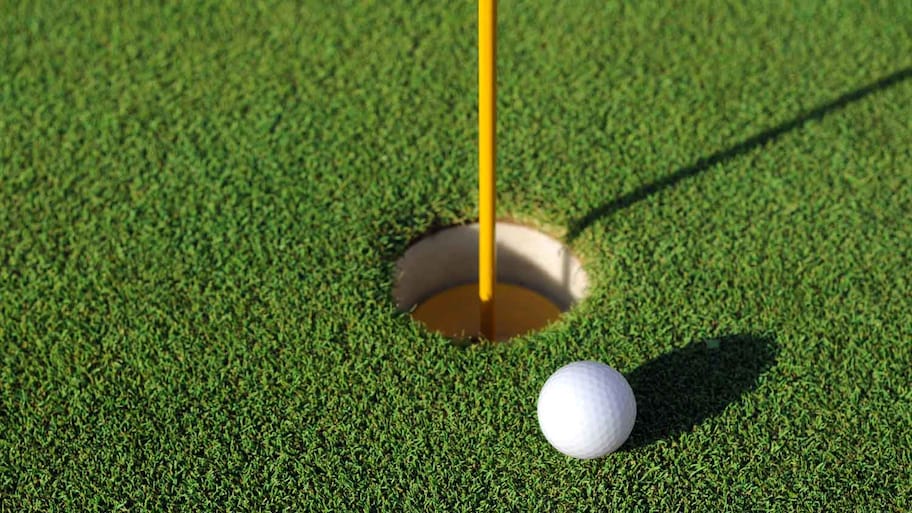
681,389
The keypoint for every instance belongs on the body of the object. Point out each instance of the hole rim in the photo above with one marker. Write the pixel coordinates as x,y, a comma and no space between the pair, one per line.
570,300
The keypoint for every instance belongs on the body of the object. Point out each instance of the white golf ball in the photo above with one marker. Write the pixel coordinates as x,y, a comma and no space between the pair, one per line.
586,409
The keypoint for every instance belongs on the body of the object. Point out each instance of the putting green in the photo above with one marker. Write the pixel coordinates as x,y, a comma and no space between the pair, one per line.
202,205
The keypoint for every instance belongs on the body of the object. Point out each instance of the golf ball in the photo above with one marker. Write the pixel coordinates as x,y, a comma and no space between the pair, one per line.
586,409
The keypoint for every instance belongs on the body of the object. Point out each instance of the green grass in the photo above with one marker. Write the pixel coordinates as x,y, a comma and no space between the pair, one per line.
201,204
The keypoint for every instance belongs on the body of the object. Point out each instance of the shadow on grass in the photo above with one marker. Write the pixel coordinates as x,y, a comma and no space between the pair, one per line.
680,389
705,163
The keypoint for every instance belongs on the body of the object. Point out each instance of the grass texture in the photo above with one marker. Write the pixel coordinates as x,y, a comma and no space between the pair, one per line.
201,204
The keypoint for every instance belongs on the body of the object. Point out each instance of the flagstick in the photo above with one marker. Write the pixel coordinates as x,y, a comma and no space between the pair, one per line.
487,94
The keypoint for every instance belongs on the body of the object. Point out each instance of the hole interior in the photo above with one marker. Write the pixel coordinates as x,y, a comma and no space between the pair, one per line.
526,258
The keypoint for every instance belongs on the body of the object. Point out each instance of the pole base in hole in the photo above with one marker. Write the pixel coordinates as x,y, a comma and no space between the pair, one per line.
456,312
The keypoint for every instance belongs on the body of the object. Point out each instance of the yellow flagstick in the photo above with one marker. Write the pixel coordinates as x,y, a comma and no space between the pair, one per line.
487,93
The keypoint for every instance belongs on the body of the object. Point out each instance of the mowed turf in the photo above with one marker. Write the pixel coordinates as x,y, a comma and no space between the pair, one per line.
201,204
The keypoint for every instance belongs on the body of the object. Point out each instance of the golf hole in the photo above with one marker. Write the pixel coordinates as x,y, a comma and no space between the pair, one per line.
538,278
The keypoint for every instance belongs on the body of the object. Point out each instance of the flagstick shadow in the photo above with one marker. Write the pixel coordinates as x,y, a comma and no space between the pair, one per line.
705,163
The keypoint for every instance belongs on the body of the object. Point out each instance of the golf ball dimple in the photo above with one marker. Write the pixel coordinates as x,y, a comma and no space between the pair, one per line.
586,409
